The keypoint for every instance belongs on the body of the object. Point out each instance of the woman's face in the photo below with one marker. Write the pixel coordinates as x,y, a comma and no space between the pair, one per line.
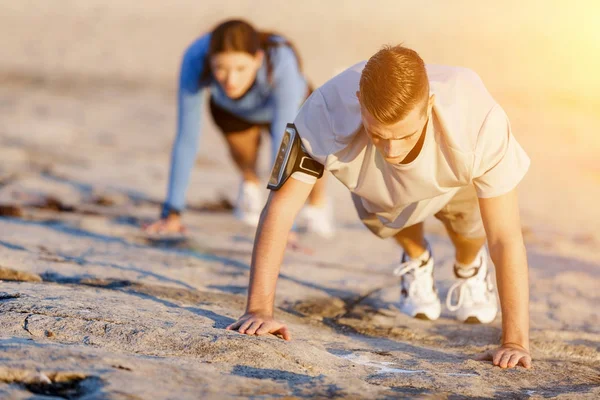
235,71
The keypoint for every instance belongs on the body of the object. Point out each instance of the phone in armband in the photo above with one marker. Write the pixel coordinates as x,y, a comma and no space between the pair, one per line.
293,160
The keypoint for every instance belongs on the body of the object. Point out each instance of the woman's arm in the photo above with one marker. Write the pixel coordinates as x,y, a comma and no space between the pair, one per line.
185,146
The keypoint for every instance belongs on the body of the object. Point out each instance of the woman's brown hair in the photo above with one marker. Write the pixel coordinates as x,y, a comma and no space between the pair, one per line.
239,35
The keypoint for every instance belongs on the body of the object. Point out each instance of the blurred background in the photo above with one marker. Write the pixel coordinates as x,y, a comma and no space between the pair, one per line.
546,46
99,76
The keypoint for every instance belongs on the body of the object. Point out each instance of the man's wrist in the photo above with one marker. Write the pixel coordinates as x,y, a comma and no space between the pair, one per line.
516,345
516,340
262,309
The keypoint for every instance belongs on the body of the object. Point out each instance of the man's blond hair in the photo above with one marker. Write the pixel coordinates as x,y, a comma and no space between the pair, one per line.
392,83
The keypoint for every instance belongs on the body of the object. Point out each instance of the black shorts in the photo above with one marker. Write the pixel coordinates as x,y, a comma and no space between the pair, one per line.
230,123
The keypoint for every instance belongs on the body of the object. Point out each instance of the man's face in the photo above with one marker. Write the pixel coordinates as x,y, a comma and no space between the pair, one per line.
235,71
395,142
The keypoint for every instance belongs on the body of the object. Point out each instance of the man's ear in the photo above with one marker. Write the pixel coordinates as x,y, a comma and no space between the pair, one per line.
430,104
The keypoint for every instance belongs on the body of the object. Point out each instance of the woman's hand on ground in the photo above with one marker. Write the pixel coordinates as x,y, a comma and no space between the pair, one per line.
171,224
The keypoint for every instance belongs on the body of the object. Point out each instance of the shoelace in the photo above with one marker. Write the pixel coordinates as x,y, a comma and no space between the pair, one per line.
407,267
478,292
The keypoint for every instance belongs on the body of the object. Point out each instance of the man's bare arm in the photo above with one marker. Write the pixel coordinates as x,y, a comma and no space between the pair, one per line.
505,240
274,227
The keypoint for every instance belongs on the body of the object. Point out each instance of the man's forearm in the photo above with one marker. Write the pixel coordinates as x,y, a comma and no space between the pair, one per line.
513,288
272,234
269,248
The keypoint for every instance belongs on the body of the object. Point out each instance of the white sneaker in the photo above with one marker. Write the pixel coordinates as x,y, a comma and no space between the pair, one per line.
249,203
476,294
418,295
318,220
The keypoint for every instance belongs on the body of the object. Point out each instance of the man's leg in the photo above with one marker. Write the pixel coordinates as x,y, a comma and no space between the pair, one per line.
412,240
466,248
462,220
472,296
418,296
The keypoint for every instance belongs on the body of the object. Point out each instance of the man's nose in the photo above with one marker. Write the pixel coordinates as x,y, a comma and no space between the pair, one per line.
390,147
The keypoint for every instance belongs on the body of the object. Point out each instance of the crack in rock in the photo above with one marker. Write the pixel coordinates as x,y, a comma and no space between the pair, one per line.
25,324
31,313
8,296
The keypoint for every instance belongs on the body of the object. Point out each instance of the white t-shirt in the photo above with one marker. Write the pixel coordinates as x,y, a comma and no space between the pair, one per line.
468,141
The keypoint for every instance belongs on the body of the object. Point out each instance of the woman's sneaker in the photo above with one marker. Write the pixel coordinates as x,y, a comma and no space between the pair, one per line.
418,294
249,203
318,220
474,292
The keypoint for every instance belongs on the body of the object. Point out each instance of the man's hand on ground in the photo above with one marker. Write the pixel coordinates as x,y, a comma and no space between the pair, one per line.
509,355
258,324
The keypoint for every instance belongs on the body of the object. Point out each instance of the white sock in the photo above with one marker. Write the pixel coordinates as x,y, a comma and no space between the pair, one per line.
423,257
476,262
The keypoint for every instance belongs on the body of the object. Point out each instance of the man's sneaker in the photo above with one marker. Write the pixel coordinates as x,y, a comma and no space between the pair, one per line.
249,203
318,220
474,292
418,295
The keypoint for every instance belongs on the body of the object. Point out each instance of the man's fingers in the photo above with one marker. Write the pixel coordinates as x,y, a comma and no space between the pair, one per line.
497,356
245,325
264,329
250,325
504,360
285,333
235,325
525,361
514,360
253,327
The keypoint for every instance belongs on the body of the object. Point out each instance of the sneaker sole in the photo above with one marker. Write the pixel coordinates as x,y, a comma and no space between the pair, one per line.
422,317
426,314
473,319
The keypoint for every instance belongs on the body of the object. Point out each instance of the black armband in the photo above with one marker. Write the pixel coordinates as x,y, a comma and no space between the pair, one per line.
293,160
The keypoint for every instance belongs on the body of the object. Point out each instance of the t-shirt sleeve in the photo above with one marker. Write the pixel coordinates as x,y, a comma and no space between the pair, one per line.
500,162
314,128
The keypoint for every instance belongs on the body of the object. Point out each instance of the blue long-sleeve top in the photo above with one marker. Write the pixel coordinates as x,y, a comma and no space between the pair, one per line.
274,101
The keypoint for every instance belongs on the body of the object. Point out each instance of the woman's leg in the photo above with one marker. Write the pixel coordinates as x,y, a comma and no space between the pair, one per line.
318,195
243,148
